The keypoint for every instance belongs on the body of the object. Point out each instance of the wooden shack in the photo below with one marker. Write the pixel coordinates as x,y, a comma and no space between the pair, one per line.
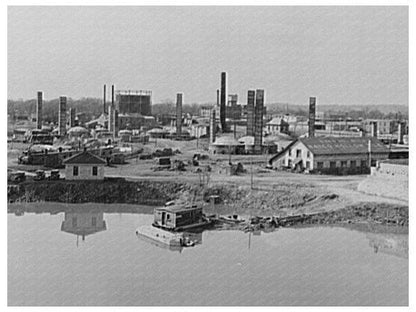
178,217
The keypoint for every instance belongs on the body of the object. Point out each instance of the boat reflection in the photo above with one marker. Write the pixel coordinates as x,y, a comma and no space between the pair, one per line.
391,244
83,223
194,237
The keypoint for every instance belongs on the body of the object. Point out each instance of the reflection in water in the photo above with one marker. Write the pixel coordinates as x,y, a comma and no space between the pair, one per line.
307,266
83,223
87,219
396,245
195,237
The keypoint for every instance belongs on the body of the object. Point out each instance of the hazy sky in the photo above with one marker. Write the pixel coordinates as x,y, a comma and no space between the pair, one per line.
341,55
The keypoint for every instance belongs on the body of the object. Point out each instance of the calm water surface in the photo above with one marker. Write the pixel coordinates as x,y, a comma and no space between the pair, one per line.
51,263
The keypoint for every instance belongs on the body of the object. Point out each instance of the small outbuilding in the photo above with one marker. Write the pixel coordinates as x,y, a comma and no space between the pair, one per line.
226,145
84,166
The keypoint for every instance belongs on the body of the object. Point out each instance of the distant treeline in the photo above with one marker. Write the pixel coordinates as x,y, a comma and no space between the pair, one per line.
92,107
351,111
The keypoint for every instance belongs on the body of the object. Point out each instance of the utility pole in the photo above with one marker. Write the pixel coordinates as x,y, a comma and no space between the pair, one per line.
251,169
369,154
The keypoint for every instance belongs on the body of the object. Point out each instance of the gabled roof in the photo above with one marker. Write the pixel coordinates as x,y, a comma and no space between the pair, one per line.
343,145
85,158
337,146
282,152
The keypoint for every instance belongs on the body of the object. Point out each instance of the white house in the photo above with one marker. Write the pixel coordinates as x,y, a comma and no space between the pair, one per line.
331,155
84,166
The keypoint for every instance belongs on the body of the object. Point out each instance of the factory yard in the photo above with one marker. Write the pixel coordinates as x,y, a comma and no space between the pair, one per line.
257,191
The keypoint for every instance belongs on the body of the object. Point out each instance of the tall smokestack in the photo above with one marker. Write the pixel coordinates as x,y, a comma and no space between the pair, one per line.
110,119
373,129
39,110
258,121
400,133
112,115
72,117
218,97
112,96
104,98
212,126
116,126
62,116
223,100
312,114
250,112
179,99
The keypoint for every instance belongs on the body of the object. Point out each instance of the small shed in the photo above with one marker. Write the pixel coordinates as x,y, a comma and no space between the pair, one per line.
84,166
175,216
226,145
157,133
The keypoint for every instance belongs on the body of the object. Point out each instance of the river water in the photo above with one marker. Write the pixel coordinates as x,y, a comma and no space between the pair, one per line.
94,258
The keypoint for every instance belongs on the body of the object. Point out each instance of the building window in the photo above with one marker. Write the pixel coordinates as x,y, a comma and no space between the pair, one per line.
289,162
332,164
75,170
308,154
353,164
298,153
320,164
308,165
343,164
290,152
94,171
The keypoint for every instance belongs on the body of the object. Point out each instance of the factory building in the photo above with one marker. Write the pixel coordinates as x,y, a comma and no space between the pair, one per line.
233,110
135,121
331,155
134,102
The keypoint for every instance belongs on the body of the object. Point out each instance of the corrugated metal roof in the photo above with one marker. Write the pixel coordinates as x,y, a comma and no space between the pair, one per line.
84,158
343,145
337,145
178,208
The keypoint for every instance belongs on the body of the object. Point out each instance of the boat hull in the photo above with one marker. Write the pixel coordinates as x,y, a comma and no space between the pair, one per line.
161,236
192,226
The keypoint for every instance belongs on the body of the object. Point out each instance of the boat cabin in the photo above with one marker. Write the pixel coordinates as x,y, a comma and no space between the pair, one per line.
178,216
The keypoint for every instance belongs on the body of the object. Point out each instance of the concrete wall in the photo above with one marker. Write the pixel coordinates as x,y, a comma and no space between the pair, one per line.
84,172
391,170
388,180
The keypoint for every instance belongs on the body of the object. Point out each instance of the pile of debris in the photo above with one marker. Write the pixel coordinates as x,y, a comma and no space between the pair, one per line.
166,152
178,165
237,169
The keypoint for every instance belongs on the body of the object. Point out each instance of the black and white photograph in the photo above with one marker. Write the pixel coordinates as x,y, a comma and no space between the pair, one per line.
207,156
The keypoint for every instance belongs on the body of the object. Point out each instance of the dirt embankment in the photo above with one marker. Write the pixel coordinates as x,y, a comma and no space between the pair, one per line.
110,191
315,204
